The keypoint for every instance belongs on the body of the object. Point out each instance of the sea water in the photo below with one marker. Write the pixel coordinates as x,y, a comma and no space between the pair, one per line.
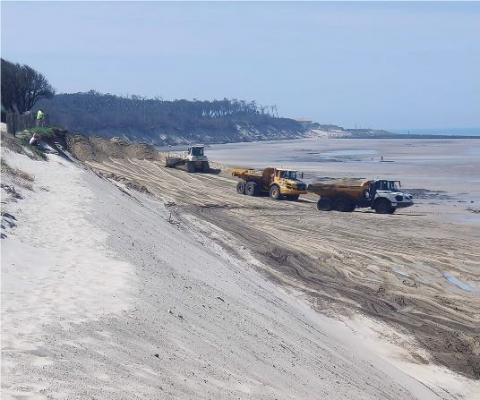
440,131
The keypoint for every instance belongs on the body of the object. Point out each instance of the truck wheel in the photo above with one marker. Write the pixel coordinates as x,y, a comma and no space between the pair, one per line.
392,210
241,187
206,166
251,189
170,163
190,166
293,197
324,204
275,192
383,206
344,205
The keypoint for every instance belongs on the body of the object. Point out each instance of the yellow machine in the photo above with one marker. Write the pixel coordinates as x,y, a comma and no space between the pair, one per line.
346,194
275,182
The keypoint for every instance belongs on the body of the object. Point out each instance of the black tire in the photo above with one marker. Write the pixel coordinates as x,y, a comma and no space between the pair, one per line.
293,197
241,187
251,189
383,206
190,166
206,166
324,204
275,192
344,205
392,210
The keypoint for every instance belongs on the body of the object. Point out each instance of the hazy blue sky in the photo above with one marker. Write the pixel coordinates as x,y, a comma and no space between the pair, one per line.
379,65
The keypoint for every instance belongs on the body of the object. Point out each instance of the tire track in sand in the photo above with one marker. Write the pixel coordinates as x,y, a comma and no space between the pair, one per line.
344,262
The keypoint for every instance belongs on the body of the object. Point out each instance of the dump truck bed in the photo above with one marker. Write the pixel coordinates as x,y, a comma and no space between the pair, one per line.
262,177
338,183
247,172
355,190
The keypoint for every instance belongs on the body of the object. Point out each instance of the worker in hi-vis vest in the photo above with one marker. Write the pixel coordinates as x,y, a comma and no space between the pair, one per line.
40,117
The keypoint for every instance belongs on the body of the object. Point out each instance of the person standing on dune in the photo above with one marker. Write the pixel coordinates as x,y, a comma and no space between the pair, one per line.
40,117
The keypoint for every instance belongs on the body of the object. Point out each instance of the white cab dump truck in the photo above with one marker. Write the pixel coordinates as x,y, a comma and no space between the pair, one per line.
347,194
195,159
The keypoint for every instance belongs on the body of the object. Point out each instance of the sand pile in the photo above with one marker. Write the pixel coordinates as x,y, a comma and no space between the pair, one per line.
91,148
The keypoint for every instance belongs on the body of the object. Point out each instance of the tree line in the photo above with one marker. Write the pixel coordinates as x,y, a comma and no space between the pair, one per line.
23,87
92,111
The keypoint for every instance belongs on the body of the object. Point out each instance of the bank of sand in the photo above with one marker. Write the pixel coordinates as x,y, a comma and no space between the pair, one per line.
110,293
102,297
391,268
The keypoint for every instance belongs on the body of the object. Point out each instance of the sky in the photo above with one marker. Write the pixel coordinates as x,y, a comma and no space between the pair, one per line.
371,65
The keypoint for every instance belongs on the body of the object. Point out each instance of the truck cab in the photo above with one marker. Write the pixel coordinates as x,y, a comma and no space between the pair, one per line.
286,182
346,194
196,159
386,196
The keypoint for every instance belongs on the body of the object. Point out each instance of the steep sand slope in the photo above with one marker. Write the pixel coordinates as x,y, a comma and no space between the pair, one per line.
104,295
390,267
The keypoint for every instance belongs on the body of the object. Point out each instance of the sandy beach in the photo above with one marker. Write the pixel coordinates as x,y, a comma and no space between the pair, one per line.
195,292
409,270
240,201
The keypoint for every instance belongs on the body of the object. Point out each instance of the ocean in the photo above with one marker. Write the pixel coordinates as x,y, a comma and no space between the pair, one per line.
440,131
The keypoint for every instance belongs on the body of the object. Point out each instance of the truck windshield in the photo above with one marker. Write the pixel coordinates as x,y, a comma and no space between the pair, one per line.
197,151
387,185
289,174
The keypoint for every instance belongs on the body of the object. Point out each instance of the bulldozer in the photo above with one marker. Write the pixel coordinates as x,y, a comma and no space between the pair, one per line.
346,194
278,183
195,159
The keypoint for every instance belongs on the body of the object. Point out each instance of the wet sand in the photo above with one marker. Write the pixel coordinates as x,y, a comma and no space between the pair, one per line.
449,165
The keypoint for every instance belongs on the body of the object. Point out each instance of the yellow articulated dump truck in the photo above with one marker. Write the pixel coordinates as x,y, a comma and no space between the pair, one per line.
346,194
278,183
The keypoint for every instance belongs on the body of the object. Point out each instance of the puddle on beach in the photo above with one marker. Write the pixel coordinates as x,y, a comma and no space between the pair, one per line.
333,155
448,276
401,273
459,283
472,218
349,153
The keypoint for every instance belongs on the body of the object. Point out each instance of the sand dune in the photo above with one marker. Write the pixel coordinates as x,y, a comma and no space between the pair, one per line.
188,320
387,267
